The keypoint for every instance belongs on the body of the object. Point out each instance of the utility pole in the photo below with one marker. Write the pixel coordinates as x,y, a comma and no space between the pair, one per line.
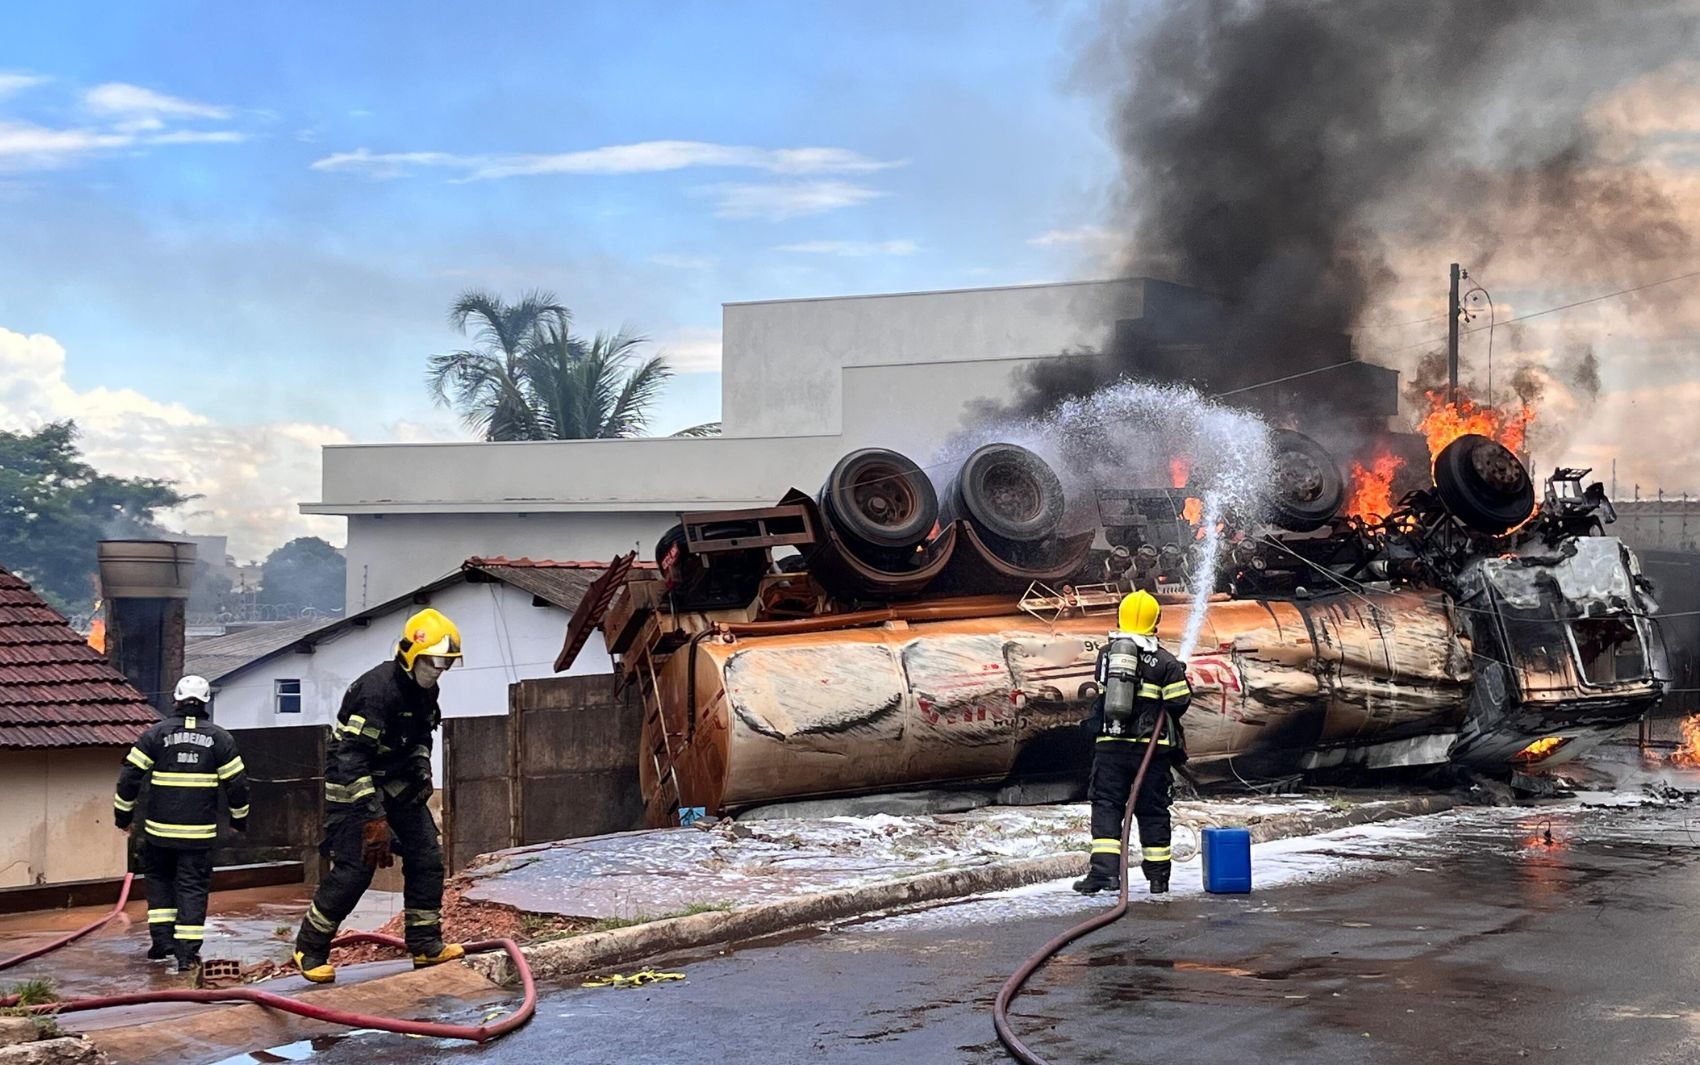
1452,341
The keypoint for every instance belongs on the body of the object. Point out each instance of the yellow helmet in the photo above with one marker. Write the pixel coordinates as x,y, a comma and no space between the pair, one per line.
428,633
1139,613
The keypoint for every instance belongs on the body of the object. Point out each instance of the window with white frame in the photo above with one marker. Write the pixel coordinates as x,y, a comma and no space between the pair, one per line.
286,696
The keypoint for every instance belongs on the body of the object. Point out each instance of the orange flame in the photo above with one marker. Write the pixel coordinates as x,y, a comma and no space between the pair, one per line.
1542,747
1179,470
1445,422
1688,754
1371,495
97,628
1193,511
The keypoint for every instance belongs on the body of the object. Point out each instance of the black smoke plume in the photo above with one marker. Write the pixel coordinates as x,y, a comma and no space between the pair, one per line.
1282,153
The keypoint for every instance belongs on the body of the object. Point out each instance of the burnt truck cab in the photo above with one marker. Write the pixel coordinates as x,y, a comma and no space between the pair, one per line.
1565,651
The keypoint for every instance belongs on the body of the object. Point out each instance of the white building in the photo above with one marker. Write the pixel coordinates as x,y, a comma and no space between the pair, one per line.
803,382
512,616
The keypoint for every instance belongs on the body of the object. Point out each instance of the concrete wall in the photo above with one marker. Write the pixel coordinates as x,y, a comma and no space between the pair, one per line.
506,640
781,359
57,823
390,554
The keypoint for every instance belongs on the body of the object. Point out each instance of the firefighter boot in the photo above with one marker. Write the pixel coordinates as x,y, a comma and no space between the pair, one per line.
160,951
315,968
1159,879
1095,882
437,953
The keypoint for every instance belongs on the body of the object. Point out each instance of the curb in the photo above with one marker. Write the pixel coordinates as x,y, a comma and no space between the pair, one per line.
602,950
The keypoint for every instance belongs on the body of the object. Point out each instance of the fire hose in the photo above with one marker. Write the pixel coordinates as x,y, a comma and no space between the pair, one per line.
1012,987
475,1033
71,937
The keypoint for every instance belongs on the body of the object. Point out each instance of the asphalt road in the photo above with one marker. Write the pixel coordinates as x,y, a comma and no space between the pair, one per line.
1456,938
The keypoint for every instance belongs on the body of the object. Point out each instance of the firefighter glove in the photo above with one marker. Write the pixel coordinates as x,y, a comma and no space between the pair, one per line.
375,844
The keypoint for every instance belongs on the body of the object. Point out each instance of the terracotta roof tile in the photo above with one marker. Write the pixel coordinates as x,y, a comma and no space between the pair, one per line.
56,690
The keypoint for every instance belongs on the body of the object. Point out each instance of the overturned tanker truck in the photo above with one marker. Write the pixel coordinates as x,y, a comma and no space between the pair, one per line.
887,633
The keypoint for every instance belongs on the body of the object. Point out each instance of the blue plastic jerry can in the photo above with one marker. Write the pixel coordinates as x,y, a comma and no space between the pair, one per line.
1226,853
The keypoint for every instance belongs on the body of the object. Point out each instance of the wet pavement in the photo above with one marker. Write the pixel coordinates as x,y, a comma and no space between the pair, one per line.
249,926
672,870
1456,937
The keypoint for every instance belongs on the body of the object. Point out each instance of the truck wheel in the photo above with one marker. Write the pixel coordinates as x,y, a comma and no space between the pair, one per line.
880,499
1007,491
1484,485
1308,488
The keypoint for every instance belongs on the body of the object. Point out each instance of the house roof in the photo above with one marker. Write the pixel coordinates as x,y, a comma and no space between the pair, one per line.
56,690
212,658
560,584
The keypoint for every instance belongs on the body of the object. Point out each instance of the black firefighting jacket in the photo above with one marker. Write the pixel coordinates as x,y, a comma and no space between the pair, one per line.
1162,684
186,760
381,744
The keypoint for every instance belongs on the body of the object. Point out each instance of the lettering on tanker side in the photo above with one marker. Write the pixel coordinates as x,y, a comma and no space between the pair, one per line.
962,685
1218,675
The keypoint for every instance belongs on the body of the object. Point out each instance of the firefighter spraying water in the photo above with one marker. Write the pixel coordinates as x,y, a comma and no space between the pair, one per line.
1145,692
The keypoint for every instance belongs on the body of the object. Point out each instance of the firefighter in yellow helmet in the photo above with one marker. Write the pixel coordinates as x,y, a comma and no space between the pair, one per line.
1136,678
377,781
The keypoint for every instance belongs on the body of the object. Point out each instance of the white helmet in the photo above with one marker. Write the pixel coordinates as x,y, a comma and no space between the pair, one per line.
194,688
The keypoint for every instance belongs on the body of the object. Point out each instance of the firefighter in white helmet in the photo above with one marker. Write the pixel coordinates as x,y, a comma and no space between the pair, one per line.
1138,678
377,781
186,761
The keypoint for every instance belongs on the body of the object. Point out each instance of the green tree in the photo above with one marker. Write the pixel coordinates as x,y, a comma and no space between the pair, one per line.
593,391
54,507
305,574
486,383
529,378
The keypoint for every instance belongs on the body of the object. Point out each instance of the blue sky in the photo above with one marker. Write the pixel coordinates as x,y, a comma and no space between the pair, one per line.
349,168
229,233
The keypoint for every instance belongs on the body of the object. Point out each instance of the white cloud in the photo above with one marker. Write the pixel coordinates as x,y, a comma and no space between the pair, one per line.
26,144
647,157
118,98
852,248
137,119
779,201
1091,236
384,165
695,350
12,81
196,136
251,476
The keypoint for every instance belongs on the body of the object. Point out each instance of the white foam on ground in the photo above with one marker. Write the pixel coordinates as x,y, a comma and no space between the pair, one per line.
1273,864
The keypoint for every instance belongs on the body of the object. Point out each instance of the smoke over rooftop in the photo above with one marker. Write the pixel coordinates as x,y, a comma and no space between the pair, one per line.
1318,161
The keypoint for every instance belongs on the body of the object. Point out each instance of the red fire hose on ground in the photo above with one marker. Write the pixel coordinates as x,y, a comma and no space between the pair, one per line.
476,1033
72,937
1012,987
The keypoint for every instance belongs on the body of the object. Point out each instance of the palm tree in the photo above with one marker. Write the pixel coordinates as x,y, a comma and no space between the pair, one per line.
530,378
486,383
592,391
